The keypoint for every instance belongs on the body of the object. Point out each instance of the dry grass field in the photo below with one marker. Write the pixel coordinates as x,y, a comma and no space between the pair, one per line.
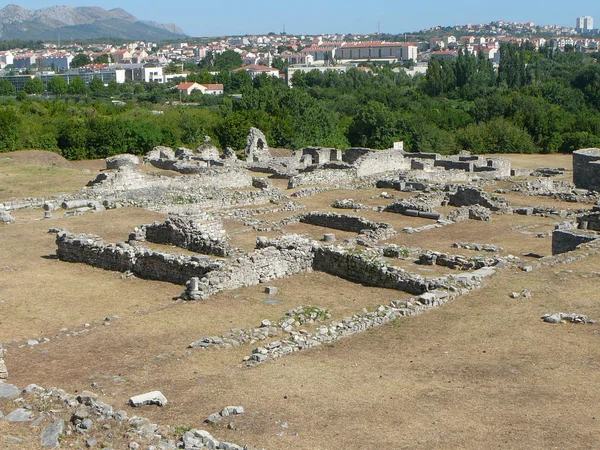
480,372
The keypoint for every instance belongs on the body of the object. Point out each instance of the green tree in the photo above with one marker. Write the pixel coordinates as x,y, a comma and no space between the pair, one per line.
228,60
6,87
101,59
57,86
9,129
434,82
80,60
97,87
373,126
34,86
77,86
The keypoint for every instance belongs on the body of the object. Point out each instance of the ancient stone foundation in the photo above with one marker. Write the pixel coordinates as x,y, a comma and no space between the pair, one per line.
141,261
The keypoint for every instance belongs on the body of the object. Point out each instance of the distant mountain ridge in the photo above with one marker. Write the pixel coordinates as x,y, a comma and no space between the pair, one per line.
82,22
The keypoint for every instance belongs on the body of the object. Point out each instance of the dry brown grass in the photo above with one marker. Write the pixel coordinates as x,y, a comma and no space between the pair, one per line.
480,372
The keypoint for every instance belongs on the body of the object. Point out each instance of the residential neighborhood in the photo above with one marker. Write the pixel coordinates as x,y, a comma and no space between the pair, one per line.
282,55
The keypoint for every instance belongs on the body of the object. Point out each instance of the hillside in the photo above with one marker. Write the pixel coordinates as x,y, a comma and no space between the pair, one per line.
80,23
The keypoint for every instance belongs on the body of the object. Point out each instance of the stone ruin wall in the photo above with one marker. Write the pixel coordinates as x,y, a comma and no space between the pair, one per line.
323,176
204,236
354,224
381,161
590,221
272,259
565,240
141,261
586,168
366,270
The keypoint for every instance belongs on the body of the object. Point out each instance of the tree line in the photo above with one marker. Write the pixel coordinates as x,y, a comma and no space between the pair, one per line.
535,101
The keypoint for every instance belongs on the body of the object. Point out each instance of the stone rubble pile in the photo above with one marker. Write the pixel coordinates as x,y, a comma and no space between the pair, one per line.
477,247
399,251
459,262
240,336
348,204
225,412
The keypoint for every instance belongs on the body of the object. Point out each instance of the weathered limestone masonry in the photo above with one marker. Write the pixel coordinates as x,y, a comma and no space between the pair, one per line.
198,234
271,260
323,176
186,161
122,161
346,222
372,271
590,221
459,262
319,155
22,204
369,162
472,195
3,369
257,149
142,261
566,238
586,168
127,178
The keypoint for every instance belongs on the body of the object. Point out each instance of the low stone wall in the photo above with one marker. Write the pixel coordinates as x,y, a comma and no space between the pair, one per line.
449,164
323,176
204,235
369,270
422,202
564,241
459,262
141,261
343,222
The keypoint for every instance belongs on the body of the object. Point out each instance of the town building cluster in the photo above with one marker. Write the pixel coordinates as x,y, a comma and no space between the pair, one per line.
147,61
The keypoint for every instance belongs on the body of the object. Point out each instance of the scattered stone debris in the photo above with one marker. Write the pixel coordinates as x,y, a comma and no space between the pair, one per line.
564,318
240,336
478,247
225,412
348,204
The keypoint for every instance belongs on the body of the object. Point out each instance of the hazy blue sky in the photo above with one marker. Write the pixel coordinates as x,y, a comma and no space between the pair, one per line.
203,18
